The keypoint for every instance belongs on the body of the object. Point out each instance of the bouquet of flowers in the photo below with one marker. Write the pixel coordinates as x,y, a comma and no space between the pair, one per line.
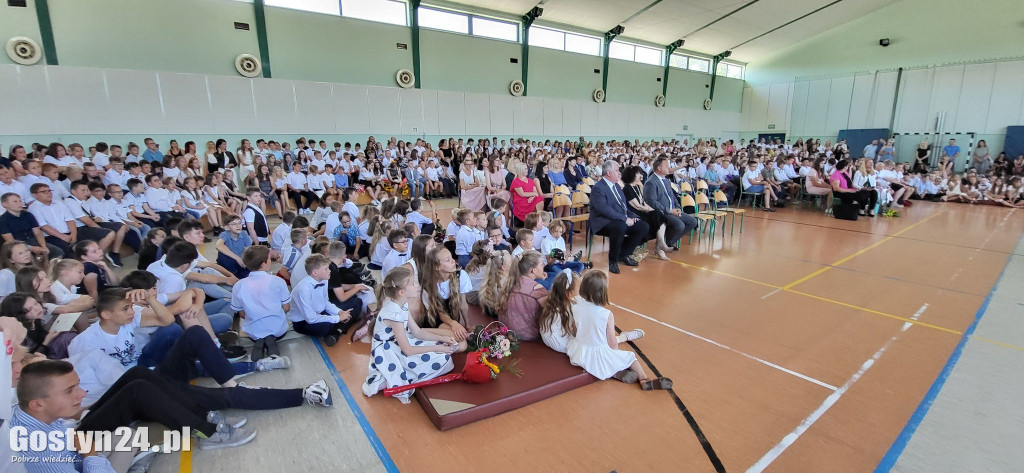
496,340
891,213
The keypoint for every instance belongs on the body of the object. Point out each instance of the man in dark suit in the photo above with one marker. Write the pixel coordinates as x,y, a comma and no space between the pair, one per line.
659,194
610,217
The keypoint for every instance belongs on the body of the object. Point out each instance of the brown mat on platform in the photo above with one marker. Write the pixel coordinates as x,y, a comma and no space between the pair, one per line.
545,373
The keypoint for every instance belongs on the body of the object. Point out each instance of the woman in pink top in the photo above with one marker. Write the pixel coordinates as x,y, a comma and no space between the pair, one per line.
844,190
815,183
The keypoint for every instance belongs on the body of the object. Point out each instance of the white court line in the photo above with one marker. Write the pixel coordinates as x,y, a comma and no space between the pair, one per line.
763,362
789,439
771,293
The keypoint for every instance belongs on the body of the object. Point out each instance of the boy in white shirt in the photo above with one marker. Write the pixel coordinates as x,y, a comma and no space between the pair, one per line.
262,300
311,312
319,218
279,239
349,196
425,224
524,241
554,242
466,236
298,187
50,178
753,183
116,174
294,255
399,241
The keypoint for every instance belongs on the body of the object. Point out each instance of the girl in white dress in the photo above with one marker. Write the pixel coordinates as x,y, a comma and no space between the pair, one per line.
556,319
402,352
593,346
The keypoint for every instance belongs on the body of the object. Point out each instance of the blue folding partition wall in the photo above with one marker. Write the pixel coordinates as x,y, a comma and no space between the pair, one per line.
1014,144
857,139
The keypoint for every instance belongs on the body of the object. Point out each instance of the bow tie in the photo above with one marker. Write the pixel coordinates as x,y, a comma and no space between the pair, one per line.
318,285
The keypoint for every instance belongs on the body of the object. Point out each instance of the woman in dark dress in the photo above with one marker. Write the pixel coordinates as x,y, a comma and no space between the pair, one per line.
225,159
543,182
632,177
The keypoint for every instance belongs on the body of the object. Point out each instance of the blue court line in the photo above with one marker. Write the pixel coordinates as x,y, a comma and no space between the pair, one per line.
378,447
889,460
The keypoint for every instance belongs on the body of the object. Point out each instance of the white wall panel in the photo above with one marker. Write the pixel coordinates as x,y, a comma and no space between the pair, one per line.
275,106
799,106
975,94
411,111
383,102
502,114
1007,94
24,88
186,103
880,114
79,99
478,114
316,108
351,109
571,118
839,95
861,101
759,107
552,117
528,118
915,94
745,107
430,113
134,100
608,118
946,94
778,103
234,109
635,120
817,107
451,113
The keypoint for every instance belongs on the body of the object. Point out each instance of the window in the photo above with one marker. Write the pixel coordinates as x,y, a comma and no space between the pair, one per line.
384,11
444,20
546,38
623,51
699,65
330,7
733,71
583,44
488,28
648,55
677,60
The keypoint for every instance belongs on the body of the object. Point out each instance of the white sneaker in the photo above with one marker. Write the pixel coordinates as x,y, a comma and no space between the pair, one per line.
218,417
318,393
227,436
273,362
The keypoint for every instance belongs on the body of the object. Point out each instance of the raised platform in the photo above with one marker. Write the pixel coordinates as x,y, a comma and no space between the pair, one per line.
545,373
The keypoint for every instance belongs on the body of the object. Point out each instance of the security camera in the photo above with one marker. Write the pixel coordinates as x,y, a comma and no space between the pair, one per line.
883,42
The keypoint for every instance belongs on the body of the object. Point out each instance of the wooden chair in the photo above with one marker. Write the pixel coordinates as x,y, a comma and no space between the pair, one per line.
720,197
685,188
702,219
702,186
561,197
572,220
705,207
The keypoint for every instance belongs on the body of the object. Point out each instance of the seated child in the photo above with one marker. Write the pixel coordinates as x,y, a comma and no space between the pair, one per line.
465,236
496,217
556,321
594,347
497,239
499,263
261,299
230,246
399,254
345,287
554,245
476,268
98,275
279,238
425,224
402,352
381,229
292,256
524,296
311,312
444,289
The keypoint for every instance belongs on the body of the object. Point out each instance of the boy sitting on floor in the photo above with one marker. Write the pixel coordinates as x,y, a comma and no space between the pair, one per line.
261,299
230,246
311,312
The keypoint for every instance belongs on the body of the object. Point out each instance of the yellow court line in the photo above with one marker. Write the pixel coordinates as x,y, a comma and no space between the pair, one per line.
858,253
876,312
852,306
186,462
741,278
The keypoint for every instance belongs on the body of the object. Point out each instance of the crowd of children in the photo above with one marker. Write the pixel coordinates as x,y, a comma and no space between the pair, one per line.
67,216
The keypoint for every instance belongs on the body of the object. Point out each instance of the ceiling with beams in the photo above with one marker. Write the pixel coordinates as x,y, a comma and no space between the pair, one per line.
664,21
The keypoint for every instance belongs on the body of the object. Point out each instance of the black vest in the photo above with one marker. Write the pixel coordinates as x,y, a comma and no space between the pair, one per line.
259,224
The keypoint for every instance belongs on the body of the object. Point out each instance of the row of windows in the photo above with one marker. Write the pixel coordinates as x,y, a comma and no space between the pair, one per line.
394,12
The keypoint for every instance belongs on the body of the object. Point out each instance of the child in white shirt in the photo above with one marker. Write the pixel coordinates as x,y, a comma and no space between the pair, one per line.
311,312
262,299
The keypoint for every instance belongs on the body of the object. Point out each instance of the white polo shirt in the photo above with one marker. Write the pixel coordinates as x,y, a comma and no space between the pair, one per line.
55,215
169,280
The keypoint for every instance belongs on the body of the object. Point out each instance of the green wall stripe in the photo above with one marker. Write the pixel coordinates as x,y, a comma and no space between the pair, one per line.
46,32
414,16
261,36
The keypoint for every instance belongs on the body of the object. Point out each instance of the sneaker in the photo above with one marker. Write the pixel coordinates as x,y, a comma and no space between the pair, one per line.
273,362
233,352
218,417
114,258
227,436
318,393
375,202
331,340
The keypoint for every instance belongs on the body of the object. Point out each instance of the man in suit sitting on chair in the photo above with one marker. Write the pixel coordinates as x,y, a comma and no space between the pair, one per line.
610,217
659,194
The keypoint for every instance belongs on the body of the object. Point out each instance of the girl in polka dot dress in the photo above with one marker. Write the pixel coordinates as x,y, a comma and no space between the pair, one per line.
403,352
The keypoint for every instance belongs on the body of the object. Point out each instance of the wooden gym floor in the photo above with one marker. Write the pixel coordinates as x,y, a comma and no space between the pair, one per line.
804,344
